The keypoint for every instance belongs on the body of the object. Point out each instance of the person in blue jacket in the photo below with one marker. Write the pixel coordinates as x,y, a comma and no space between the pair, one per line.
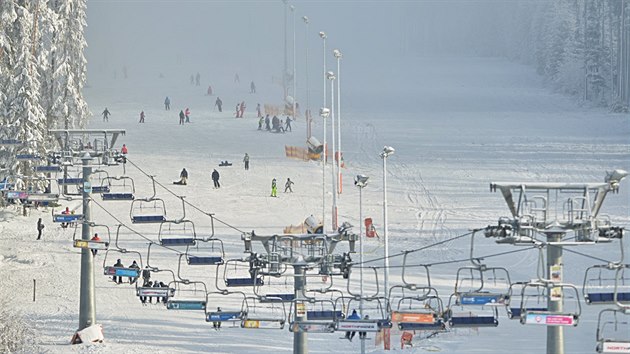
352,317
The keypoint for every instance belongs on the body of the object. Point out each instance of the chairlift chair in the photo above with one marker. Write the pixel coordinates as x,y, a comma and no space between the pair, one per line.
379,320
92,244
613,331
263,316
533,298
550,292
113,271
233,316
157,206
251,280
607,284
315,320
181,300
205,252
118,188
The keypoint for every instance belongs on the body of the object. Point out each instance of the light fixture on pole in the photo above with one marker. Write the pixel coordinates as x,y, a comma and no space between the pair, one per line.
323,36
361,181
387,151
338,55
307,112
324,113
294,68
331,77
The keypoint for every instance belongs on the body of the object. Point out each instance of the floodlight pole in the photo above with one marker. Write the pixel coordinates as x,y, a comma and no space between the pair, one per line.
338,55
285,89
555,335
87,305
300,339
324,177
331,77
309,124
294,68
361,258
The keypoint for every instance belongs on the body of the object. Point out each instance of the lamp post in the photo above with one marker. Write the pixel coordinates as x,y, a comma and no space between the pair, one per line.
338,55
323,36
307,112
294,68
361,181
324,113
387,151
331,76
286,69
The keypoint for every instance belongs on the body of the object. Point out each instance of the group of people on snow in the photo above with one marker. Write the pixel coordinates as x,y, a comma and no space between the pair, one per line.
277,125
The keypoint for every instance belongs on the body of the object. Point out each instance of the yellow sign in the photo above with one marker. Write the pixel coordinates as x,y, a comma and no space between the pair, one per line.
251,324
300,309
81,244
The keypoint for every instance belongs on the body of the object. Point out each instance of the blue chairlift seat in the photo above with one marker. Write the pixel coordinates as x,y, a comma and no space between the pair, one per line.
437,325
194,260
67,217
51,168
480,299
121,271
100,189
235,282
147,219
117,196
188,241
278,298
324,315
26,157
10,142
473,321
185,305
70,181
606,298
224,316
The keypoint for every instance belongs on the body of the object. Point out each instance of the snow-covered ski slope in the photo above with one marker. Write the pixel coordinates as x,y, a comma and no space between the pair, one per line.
456,125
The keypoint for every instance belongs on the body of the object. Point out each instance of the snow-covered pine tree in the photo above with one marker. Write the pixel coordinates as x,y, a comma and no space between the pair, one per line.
7,17
24,116
68,108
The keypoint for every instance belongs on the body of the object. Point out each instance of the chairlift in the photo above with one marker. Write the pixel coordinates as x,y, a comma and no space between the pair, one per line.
125,271
11,142
272,297
251,280
27,157
148,210
234,316
181,298
315,320
48,168
613,331
379,320
118,188
534,299
259,316
93,244
549,291
205,252
607,284
66,218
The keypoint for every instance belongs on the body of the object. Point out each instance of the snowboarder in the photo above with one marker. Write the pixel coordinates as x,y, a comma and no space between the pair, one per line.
288,124
187,115
252,87
97,239
258,110
118,264
197,79
181,117
183,178
261,120
287,185
246,161
133,265
215,179
217,325
274,188
141,117
106,115
124,149
219,103
40,228
353,316
167,103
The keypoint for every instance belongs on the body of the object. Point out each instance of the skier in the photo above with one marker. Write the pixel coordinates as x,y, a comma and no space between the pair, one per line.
187,115
181,117
97,239
274,123
252,87
353,316
40,228
215,179
209,93
287,185
217,325
243,108
258,111
288,124
197,79
118,264
246,161
274,188
141,117
219,103
267,128
133,265
238,110
183,178
167,103
106,115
